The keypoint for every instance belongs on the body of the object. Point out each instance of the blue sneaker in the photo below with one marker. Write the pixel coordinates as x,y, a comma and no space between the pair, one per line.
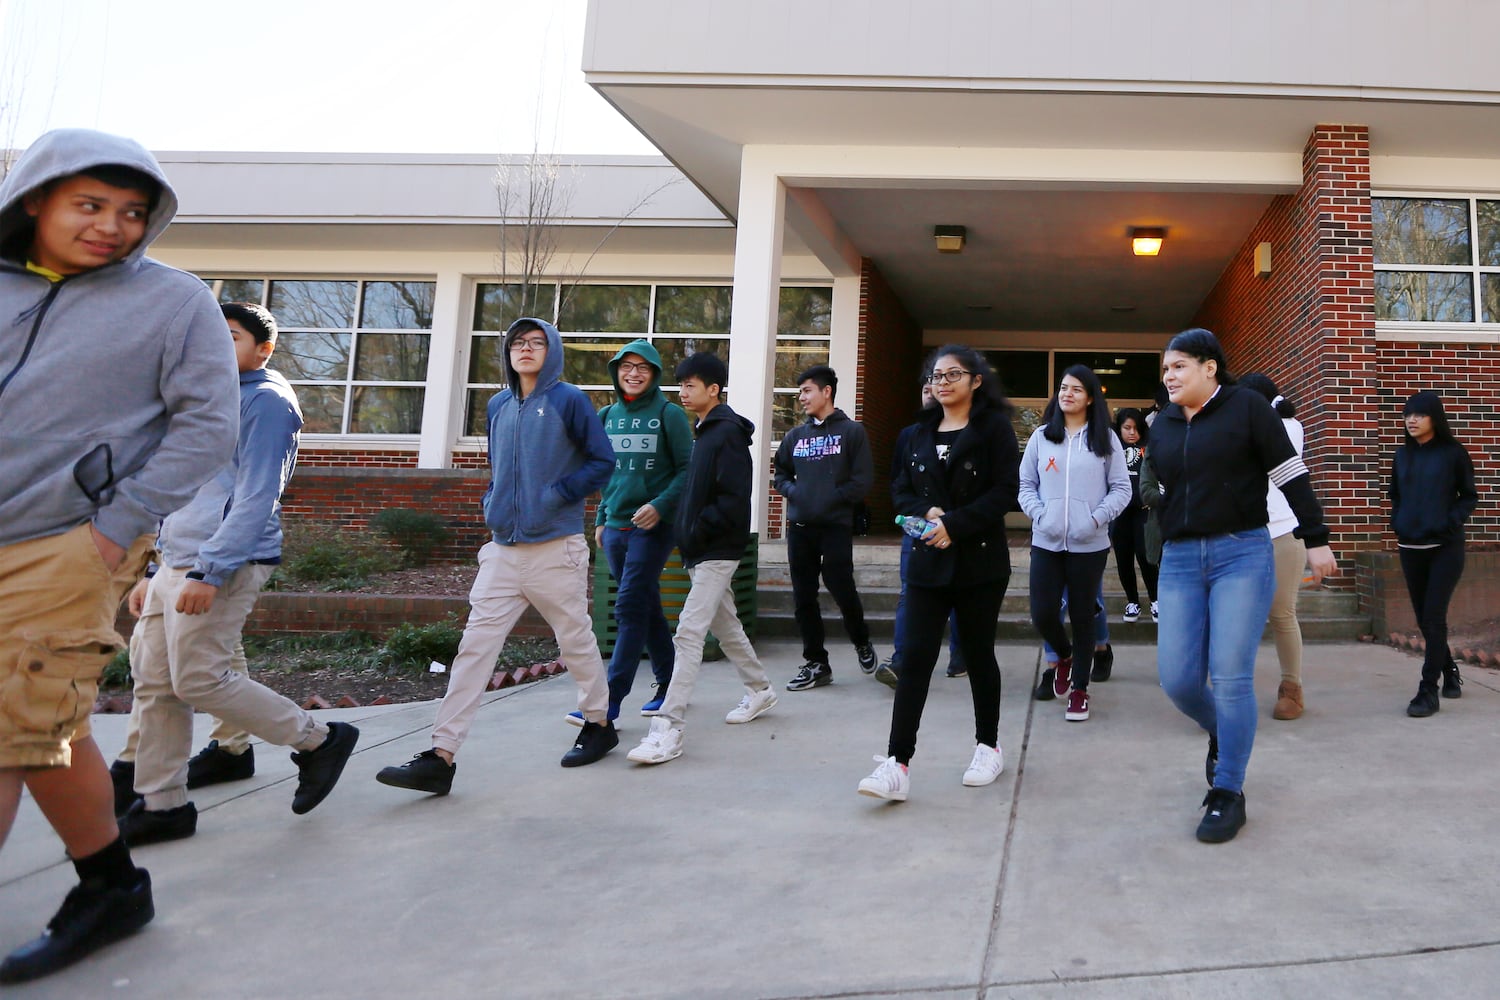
653,707
576,718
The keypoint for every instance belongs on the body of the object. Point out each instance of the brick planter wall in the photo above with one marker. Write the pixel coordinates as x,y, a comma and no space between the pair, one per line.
349,497
1383,592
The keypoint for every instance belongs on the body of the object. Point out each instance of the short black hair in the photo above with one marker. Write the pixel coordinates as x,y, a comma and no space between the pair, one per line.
122,176
1427,403
706,366
1134,415
255,318
822,376
1201,345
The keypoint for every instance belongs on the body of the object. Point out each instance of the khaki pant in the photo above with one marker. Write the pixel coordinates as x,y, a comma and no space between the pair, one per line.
1291,560
709,606
551,576
229,737
57,631
185,663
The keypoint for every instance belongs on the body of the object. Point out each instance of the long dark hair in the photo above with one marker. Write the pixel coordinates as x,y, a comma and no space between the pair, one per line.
1262,384
1141,427
1429,403
1202,345
1096,436
990,394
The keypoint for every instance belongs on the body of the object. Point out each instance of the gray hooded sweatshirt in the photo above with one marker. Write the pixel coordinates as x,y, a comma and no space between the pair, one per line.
119,391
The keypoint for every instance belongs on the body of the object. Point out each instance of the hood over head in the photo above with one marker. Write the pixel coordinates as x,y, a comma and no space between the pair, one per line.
551,367
645,349
63,153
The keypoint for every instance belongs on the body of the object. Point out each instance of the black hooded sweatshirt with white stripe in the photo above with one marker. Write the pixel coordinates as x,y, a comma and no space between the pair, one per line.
1213,469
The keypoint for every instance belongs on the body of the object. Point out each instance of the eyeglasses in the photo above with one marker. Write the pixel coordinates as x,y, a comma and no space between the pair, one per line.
950,376
629,367
531,344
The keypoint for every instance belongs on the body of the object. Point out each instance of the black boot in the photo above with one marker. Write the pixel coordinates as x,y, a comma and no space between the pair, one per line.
1452,681
1425,703
1104,663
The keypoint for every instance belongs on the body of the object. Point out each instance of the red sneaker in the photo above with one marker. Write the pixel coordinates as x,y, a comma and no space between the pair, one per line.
1078,706
1063,677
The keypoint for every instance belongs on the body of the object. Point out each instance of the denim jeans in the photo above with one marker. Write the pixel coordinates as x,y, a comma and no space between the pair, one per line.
1215,595
636,557
955,654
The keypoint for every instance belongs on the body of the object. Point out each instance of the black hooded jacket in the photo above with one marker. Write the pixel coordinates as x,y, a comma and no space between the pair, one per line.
713,514
1432,492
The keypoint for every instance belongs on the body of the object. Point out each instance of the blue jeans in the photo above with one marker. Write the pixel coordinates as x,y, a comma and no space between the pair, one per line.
955,654
1101,631
1215,595
636,558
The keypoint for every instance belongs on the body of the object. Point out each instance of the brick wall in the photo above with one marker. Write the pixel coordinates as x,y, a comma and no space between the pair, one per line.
890,361
364,458
349,497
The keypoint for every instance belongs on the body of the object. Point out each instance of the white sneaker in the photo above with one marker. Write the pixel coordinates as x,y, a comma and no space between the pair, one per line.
890,781
1132,612
752,706
1155,616
986,766
661,744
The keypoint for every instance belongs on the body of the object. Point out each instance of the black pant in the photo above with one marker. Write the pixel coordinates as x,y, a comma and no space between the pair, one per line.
1080,573
1431,577
813,549
1128,535
927,608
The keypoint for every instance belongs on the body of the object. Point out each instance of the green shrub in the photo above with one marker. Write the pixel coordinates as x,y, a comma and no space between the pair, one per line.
418,534
117,671
409,645
335,559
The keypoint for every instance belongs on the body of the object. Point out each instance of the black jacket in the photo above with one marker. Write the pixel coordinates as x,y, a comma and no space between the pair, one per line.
1432,493
824,470
713,515
1213,471
976,491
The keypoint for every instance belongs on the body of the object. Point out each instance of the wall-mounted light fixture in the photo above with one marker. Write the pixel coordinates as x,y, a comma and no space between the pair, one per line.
1262,259
950,239
1146,241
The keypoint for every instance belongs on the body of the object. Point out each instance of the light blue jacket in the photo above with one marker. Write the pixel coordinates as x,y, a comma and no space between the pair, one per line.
1070,493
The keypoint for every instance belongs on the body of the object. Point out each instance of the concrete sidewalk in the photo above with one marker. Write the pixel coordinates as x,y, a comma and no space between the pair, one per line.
750,868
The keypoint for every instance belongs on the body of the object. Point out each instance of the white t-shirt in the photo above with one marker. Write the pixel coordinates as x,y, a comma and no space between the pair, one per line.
1282,519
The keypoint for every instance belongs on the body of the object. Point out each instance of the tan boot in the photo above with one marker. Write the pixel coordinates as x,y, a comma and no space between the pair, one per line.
1288,701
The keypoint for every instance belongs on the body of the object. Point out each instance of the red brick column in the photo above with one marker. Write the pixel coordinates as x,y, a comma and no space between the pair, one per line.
890,360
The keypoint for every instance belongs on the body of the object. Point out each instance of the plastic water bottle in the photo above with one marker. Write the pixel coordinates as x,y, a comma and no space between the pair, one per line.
916,527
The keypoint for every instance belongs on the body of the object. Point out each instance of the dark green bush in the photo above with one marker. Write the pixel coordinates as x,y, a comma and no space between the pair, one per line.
117,671
409,645
335,559
418,534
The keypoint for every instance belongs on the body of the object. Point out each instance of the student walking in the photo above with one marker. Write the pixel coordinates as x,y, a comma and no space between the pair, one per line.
1127,533
548,451
1291,558
959,472
713,528
824,470
1213,448
1073,483
1432,495
117,401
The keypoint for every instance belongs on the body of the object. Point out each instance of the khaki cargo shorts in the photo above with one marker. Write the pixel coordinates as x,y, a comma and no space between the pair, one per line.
57,631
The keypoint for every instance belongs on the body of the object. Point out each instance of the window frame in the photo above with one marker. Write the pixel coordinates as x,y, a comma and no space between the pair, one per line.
1470,331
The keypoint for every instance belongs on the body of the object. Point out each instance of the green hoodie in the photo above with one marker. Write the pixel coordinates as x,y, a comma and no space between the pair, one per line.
653,440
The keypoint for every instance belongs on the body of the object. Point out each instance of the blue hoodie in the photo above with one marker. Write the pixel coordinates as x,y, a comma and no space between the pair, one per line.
548,451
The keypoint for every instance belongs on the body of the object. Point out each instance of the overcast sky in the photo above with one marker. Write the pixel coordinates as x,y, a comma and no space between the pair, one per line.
438,76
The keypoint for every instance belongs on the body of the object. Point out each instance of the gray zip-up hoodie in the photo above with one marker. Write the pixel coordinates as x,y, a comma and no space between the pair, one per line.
235,517
118,394
1070,493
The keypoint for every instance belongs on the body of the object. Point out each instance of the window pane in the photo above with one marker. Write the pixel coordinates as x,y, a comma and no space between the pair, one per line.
475,424
1024,374
793,356
395,357
485,363
1489,297
805,312
1424,297
673,350
496,307
239,289
322,408
1420,230
1123,375
692,309
586,359
378,410
397,305
1489,233
600,397
785,414
312,355
313,303
605,309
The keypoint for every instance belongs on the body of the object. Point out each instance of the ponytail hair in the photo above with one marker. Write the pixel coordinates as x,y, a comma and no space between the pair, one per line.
1262,384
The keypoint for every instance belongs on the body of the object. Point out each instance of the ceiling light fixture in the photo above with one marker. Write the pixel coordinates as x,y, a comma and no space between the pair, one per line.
1146,241
950,239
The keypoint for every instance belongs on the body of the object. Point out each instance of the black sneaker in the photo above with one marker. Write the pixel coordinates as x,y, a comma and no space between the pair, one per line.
318,770
140,826
957,669
1044,691
1104,663
1425,703
889,673
1225,816
426,772
594,741
1453,681
1211,762
122,776
868,661
91,916
213,765
810,675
